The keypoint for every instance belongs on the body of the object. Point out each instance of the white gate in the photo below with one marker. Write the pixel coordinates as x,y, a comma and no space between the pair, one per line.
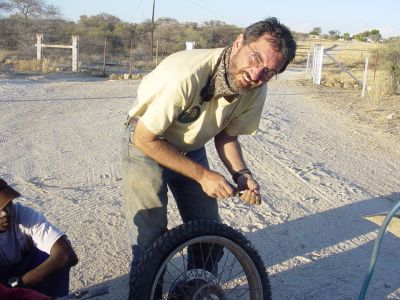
75,49
315,59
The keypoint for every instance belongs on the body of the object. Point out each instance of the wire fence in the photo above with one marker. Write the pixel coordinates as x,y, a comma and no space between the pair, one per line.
343,64
102,55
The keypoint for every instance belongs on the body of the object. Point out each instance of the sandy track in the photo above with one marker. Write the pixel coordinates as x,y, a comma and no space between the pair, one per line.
320,173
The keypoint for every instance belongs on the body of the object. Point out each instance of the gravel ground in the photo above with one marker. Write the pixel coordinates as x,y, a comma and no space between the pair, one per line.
324,158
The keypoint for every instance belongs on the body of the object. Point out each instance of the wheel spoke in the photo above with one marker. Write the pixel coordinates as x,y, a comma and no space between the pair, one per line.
230,267
238,283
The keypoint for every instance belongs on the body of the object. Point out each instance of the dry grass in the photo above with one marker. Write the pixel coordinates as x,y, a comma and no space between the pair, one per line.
34,65
5,54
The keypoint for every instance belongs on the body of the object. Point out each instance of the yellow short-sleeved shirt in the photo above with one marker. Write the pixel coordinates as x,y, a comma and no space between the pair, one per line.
169,102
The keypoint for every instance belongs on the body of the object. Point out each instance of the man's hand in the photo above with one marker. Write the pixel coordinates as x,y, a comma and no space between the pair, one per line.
250,188
215,185
230,152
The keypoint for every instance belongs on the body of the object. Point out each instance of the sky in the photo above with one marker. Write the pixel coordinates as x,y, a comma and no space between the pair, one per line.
352,16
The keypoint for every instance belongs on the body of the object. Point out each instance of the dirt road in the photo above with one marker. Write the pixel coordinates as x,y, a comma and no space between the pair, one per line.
319,170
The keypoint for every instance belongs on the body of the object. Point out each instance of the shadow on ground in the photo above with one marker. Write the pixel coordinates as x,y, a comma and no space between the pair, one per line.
328,254
330,261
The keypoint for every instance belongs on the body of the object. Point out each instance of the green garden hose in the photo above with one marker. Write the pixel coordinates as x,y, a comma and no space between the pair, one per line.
375,250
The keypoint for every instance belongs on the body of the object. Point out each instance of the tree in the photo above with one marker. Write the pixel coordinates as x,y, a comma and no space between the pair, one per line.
29,17
100,25
170,37
375,35
316,31
32,9
219,36
346,36
8,35
334,32
214,23
164,21
191,34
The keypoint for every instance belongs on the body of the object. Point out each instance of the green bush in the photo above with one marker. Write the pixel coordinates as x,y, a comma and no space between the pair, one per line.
391,64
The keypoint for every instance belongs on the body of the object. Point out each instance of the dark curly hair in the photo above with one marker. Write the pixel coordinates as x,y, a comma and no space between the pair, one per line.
280,37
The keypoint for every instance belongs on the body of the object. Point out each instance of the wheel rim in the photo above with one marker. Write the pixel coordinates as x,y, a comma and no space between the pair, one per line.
237,276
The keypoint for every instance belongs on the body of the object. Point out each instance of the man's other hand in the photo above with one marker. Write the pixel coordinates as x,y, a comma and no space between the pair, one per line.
250,189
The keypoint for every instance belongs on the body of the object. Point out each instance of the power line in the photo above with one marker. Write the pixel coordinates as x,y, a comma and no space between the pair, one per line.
209,10
138,5
152,29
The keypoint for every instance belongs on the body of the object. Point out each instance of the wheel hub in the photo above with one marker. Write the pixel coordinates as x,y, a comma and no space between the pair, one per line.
196,284
209,292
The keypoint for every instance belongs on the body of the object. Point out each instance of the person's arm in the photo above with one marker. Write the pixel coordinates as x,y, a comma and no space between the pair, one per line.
61,256
213,183
230,152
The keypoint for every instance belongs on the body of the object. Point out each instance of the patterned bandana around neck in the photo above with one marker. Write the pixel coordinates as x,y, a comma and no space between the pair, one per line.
218,84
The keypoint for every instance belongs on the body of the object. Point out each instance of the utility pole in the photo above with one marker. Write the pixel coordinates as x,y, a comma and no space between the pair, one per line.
152,31
104,56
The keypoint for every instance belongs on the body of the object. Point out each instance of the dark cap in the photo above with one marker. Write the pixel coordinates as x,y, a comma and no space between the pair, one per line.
7,194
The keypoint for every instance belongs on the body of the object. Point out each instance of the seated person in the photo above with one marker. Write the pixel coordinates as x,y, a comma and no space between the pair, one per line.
34,253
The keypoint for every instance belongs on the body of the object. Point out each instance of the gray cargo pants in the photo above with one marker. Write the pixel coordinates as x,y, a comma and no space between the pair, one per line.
145,185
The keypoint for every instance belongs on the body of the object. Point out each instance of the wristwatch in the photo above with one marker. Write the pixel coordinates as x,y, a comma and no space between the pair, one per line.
13,282
239,173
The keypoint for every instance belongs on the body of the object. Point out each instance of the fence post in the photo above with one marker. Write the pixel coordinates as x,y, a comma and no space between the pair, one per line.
376,63
104,56
156,53
365,78
39,49
308,61
317,64
130,58
75,53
